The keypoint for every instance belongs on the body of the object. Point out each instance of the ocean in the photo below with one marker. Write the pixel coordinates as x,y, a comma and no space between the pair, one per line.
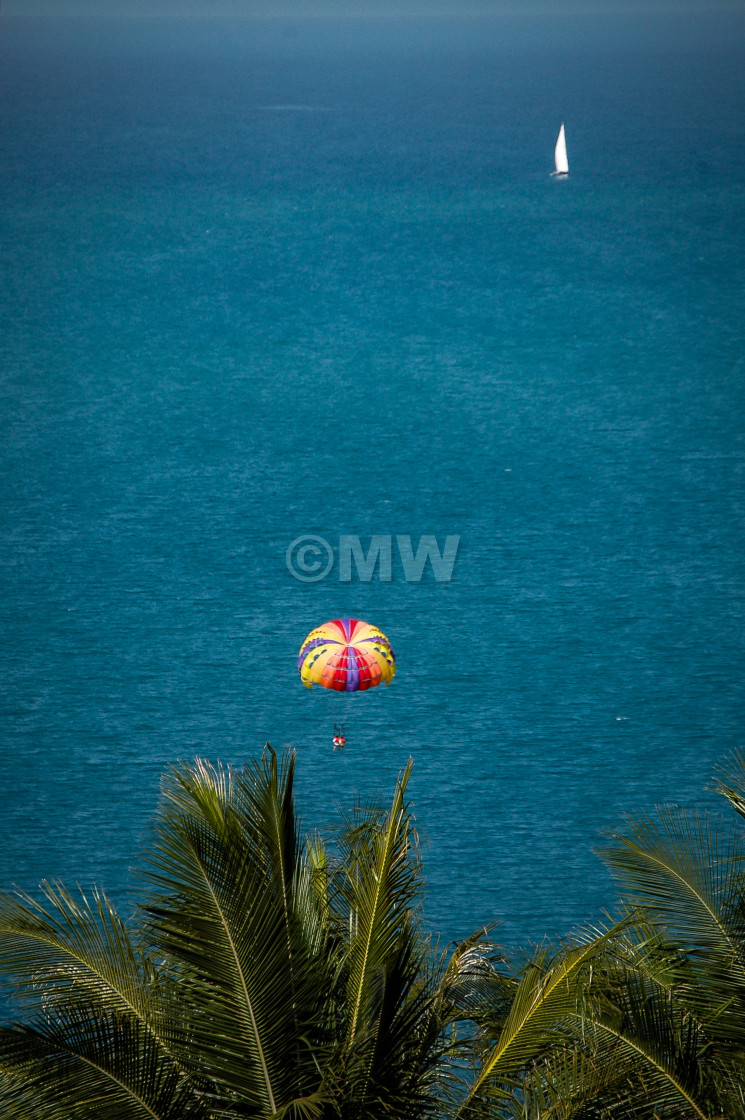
283,280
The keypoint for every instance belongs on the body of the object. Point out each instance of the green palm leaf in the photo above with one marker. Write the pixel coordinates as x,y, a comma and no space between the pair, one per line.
684,867
221,871
473,986
549,994
571,1084
381,887
684,870
626,1049
731,781
94,1066
75,953
73,949
651,1048
394,1030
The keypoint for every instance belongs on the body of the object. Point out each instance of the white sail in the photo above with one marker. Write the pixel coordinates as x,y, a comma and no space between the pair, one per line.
560,154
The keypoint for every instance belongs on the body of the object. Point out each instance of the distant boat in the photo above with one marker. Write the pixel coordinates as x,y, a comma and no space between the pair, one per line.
560,154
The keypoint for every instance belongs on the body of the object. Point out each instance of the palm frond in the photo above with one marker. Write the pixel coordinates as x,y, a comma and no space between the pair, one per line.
94,1066
74,947
472,987
569,1084
393,1031
627,1050
684,869
381,886
548,994
649,1045
266,811
221,870
313,1107
73,951
731,781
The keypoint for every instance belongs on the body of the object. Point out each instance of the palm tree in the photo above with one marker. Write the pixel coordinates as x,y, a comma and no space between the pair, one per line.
645,1018
685,872
261,976
269,976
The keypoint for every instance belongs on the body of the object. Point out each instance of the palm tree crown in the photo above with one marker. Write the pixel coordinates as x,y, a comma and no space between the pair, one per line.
267,975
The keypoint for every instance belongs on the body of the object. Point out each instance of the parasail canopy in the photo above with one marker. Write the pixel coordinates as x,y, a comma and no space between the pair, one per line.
347,655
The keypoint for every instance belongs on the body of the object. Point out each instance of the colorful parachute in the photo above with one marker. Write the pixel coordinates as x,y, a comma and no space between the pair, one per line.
346,655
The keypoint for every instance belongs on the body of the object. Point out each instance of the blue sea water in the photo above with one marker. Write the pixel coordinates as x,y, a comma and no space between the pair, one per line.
258,286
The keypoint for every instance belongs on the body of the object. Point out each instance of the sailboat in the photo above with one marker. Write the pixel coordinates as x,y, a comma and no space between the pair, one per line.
560,154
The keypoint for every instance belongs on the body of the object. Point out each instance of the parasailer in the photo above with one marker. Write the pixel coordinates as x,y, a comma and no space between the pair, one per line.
346,655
